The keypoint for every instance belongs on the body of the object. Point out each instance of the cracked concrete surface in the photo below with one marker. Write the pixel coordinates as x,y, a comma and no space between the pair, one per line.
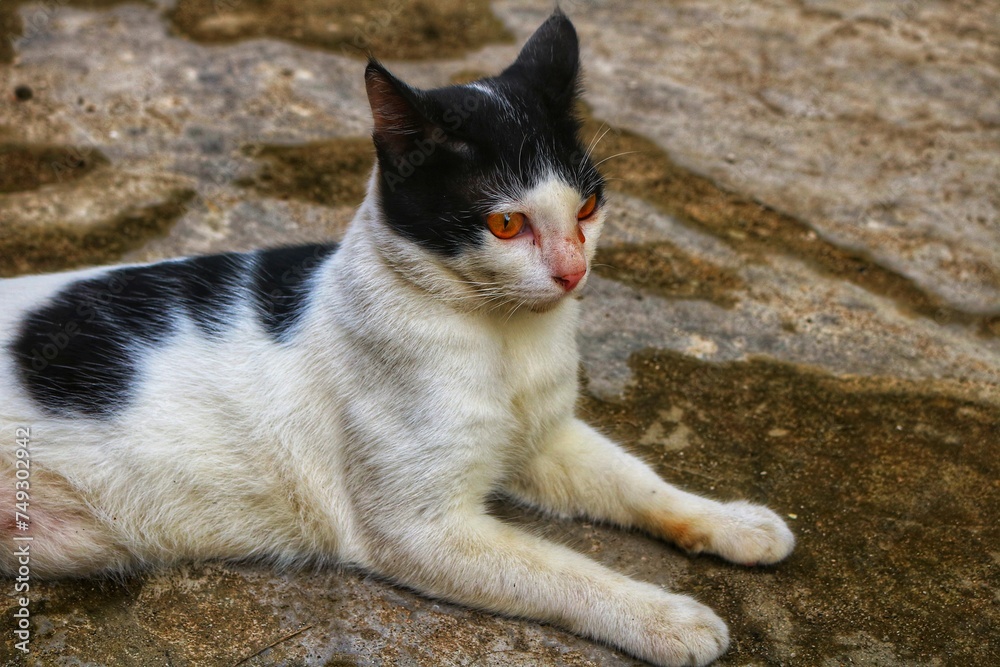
798,300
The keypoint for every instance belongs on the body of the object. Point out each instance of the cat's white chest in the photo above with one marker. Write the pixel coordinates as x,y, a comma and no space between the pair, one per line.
538,361
522,391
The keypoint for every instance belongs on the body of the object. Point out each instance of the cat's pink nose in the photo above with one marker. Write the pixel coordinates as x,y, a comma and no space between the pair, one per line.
570,280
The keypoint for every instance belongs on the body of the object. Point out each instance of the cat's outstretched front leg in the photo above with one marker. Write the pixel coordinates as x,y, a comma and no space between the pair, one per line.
579,472
473,559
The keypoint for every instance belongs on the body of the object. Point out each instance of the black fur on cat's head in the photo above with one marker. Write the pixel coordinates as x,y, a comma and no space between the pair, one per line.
448,156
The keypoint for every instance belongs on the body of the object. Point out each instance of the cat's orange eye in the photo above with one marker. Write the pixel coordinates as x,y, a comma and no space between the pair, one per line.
588,208
505,225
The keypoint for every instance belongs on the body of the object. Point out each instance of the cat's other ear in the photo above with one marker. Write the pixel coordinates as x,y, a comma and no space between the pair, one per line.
550,61
399,122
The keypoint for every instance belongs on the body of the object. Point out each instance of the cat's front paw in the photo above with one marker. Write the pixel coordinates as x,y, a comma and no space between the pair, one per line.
751,535
685,632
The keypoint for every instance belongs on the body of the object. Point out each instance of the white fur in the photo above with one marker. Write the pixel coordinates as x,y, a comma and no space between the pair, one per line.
414,389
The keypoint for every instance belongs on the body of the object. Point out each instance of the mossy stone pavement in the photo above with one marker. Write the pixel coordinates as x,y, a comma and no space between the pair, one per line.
796,301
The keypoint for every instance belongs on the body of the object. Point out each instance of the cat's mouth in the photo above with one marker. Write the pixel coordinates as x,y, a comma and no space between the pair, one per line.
546,306
525,303
547,302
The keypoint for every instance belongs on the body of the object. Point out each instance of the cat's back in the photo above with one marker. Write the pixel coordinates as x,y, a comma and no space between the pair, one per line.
82,343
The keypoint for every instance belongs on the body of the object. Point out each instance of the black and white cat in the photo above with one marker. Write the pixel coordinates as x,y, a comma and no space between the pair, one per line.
359,403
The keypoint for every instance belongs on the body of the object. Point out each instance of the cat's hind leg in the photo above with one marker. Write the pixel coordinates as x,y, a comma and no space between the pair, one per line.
579,472
66,538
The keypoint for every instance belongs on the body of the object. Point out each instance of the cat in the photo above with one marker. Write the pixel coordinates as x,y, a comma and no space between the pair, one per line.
358,403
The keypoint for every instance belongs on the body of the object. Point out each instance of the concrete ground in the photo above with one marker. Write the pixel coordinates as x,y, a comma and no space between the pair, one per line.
797,300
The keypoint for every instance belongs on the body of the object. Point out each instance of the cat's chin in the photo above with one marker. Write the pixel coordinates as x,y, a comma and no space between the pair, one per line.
547,305
537,306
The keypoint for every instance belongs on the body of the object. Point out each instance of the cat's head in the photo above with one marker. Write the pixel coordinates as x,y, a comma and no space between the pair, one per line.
489,181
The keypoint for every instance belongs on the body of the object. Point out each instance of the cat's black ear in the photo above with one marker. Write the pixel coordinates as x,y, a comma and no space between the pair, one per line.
399,122
550,61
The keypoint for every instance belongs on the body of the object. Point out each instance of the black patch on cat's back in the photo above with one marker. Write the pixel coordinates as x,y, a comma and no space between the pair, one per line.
77,354
281,284
209,287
